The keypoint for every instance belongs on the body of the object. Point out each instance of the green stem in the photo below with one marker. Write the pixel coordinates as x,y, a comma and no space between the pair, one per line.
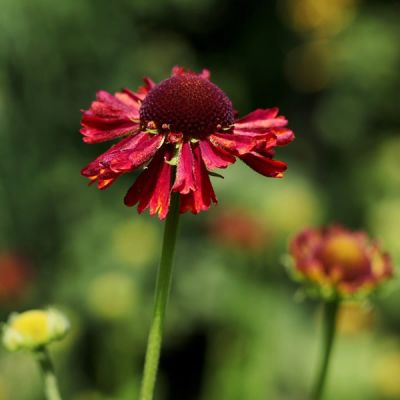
49,377
330,317
162,291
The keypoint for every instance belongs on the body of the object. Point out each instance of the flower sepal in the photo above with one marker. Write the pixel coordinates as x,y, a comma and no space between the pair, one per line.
175,156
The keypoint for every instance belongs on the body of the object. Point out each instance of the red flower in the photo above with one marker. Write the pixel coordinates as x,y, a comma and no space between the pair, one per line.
238,229
185,122
15,276
339,262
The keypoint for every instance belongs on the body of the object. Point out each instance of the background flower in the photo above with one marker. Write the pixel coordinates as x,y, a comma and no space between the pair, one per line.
15,277
238,229
33,329
338,262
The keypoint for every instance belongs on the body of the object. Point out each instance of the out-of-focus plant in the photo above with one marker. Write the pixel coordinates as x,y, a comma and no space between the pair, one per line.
15,277
33,331
238,229
335,264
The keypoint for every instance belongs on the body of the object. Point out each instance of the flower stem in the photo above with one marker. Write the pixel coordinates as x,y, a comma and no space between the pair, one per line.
161,298
49,378
330,317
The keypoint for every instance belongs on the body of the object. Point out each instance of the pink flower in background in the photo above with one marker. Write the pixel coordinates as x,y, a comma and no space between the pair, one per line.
179,131
339,261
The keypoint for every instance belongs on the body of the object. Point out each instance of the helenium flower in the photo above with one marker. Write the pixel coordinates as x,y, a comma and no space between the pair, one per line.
337,262
179,130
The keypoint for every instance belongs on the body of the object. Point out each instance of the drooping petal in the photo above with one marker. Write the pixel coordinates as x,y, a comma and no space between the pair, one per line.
184,180
261,119
264,165
283,135
123,157
215,157
136,152
236,144
119,105
130,99
110,117
265,121
96,130
200,199
152,189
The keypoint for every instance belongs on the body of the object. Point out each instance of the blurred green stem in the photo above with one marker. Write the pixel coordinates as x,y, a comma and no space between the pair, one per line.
161,298
330,316
49,378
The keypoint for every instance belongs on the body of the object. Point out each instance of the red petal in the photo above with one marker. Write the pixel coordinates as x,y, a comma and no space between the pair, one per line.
110,117
149,85
152,189
130,99
177,71
123,157
142,91
138,151
200,199
119,105
96,131
261,119
264,165
214,157
184,181
265,122
283,135
205,74
269,140
236,144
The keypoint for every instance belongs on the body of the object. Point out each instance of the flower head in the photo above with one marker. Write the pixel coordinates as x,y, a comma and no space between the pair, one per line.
338,262
179,131
34,329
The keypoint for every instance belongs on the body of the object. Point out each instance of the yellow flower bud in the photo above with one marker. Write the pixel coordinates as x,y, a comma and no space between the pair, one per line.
34,329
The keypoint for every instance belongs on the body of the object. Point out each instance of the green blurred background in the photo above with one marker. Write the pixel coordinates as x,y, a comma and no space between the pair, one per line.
234,329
